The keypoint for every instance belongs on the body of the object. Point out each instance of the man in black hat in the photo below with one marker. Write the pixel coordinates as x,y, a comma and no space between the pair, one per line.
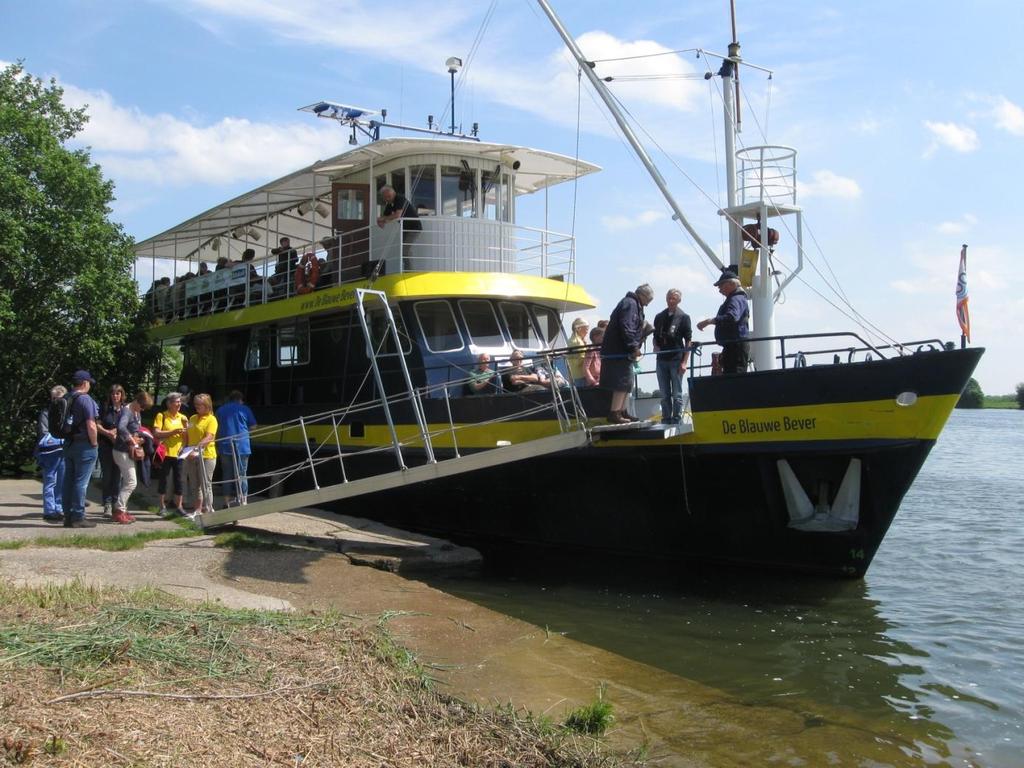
80,451
731,324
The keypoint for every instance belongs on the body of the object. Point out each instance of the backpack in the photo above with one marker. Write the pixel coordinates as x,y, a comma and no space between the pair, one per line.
60,418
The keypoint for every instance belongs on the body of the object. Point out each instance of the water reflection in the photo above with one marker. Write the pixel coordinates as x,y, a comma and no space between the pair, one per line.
819,649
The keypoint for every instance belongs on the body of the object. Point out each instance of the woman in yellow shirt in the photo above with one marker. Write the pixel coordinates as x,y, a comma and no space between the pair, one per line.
202,459
169,427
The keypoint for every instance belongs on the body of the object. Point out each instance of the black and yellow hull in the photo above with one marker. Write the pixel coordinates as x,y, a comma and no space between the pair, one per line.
713,494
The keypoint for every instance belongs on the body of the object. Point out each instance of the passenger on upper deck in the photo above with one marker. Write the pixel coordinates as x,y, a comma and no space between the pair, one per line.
397,207
287,261
331,268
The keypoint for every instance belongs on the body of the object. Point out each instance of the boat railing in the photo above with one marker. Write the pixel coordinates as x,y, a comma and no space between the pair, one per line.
443,244
801,357
766,173
321,438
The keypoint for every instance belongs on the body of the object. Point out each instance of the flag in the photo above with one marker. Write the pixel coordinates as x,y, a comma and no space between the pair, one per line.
963,316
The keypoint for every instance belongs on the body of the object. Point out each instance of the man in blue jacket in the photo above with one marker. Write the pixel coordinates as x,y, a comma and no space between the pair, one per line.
731,324
234,421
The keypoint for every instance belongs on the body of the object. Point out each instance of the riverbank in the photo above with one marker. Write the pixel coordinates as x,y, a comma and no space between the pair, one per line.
486,658
131,645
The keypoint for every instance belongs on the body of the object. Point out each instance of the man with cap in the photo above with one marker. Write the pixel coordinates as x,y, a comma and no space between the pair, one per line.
80,450
731,324
577,342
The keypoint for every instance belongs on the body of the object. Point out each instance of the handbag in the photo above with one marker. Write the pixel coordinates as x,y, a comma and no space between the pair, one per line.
138,453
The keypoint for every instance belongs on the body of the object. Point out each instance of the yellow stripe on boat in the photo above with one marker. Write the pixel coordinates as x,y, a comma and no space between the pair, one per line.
562,296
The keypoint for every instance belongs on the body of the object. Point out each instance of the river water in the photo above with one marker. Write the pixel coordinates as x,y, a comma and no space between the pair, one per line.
926,653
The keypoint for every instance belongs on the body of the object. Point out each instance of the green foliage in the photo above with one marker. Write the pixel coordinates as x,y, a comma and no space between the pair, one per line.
972,396
594,718
67,298
1020,395
1005,402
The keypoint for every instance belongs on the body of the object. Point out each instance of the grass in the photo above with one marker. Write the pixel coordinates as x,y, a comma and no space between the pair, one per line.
238,687
594,718
120,542
1008,402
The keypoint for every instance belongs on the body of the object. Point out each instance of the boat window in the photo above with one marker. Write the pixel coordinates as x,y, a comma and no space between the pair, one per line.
438,324
482,323
351,205
550,328
490,184
293,344
380,333
520,326
458,191
423,193
257,355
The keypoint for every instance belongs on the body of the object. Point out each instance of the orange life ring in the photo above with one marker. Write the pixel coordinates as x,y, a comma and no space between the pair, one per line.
307,273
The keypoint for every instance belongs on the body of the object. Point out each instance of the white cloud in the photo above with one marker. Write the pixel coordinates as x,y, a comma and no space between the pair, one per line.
959,138
621,223
867,126
959,227
164,149
828,184
1009,116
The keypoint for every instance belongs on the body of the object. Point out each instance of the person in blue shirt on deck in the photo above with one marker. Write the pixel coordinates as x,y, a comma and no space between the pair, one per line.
234,421
731,328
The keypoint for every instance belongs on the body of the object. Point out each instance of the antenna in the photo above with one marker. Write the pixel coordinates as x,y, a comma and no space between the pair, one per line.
369,121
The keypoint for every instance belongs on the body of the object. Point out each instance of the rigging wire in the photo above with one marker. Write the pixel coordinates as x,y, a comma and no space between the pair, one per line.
646,55
834,284
864,323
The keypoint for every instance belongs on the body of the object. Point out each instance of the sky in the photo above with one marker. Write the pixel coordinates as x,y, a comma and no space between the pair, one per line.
908,119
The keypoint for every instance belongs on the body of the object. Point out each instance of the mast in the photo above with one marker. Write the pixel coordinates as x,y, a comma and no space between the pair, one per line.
602,91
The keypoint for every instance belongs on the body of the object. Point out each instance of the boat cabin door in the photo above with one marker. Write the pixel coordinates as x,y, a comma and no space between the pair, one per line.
351,213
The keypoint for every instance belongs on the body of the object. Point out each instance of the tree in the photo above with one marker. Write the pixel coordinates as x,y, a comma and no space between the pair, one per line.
67,299
972,396
1020,395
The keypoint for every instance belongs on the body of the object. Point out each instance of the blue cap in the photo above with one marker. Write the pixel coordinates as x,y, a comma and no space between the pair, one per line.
82,375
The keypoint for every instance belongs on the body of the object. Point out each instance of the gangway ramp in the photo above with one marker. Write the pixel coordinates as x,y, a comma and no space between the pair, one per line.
436,470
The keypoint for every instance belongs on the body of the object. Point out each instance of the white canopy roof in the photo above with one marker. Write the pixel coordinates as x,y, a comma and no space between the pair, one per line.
281,198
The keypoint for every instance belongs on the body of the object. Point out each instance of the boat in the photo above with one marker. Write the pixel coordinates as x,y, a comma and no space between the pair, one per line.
354,340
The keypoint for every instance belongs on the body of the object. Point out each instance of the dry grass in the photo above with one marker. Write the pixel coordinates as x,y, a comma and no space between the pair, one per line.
103,678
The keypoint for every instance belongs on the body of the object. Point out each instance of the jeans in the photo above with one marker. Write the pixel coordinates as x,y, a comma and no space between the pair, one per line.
234,488
79,460
670,382
52,465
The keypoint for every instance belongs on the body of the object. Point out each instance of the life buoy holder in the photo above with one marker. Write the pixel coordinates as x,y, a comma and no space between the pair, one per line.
307,273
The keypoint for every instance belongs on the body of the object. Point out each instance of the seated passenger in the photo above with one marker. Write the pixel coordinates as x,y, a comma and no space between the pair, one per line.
255,288
522,378
203,302
481,378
